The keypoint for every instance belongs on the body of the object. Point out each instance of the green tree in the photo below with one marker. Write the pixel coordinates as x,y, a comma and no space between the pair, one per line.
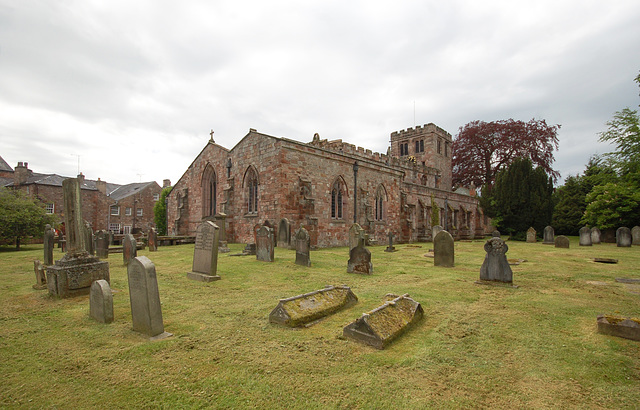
22,216
160,212
613,205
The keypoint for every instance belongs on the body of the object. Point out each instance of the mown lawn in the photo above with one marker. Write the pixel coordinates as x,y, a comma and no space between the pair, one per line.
534,346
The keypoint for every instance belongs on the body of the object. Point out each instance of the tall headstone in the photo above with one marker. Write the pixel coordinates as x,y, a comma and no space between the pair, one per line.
129,248
562,241
75,272
221,221
356,234
102,244
595,236
623,237
585,236
443,250
48,245
284,234
146,312
495,266
264,244
360,260
435,230
152,240
88,232
303,247
531,235
635,235
205,253
548,235
41,279
390,248
101,302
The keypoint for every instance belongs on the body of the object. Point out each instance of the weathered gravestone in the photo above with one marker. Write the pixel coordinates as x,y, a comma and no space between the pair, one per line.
205,253
152,240
495,266
435,230
264,244
303,247
548,236
146,312
88,231
595,236
101,302
221,221
585,236
302,309
129,248
562,241
443,250
356,234
623,237
360,260
390,248
635,235
102,244
41,278
75,272
531,235
383,324
627,328
495,234
284,234
48,245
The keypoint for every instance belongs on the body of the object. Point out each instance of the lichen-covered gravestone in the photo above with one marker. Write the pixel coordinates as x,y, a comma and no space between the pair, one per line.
495,266
562,241
129,248
284,234
264,244
146,311
635,235
356,234
48,245
623,237
152,240
205,253
221,221
302,309
101,302
303,247
531,235
547,235
102,244
443,250
595,236
585,236
360,260
495,234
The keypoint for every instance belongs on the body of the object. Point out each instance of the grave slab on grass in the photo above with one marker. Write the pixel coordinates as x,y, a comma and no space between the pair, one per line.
302,309
618,326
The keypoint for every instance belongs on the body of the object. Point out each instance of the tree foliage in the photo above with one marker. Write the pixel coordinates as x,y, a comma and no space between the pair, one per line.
481,149
613,205
21,216
160,212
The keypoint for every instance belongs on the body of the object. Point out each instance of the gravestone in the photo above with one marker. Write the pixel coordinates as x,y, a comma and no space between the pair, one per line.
495,266
390,248
547,236
146,311
102,244
205,253
628,328
249,249
531,235
284,234
101,302
435,230
356,234
595,236
129,248
221,221
623,237
152,240
635,235
303,247
562,241
48,245
75,272
302,309
88,231
41,278
443,250
608,236
495,234
264,244
585,236
360,260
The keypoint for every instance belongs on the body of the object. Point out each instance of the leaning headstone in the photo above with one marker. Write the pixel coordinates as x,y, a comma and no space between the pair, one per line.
221,221
495,266
635,235
302,309
152,240
443,250
356,233
48,245
435,230
101,302
562,241
284,234
129,248
623,237
531,235
102,244
390,248
41,279
385,323
205,253
595,236
146,312
264,244
303,247
88,231
360,260
585,236
547,236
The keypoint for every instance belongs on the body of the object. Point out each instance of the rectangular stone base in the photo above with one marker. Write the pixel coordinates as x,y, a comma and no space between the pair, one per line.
74,276
620,327
161,336
202,277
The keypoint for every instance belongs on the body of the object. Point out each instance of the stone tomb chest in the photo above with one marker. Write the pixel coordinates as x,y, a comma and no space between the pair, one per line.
302,309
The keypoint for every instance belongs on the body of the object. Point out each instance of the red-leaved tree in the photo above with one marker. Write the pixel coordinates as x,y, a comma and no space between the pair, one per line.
481,149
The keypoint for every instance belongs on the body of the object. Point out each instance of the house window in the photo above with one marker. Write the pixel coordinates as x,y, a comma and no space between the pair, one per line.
115,228
209,191
252,191
50,208
126,230
115,210
156,197
139,211
337,194
127,211
379,203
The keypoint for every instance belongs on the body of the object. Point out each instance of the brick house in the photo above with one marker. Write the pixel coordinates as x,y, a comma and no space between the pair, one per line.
132,209
319,184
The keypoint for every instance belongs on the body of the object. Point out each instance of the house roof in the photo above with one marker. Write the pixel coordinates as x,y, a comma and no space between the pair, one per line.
124,191
4,166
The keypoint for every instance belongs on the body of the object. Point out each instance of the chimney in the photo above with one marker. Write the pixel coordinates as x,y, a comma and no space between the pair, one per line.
102,186
472,189
166,183
21,173
80,178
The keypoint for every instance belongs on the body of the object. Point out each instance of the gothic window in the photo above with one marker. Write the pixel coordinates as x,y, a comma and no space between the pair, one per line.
209,191
439,147
337,197
419,146
404,149
446,149
251,186
381,195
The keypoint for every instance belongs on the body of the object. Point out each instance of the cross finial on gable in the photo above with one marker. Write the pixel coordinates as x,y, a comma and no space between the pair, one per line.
211,133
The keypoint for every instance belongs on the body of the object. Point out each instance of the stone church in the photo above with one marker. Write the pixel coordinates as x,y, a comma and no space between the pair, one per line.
325,186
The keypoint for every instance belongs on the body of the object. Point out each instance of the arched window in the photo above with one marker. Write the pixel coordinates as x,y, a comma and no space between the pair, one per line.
381,196
337,197
251,186
209,191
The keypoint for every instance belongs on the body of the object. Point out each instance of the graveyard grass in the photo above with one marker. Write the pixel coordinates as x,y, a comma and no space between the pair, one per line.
534,346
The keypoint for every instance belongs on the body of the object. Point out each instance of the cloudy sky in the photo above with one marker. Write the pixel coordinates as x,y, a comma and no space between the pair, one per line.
131,89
